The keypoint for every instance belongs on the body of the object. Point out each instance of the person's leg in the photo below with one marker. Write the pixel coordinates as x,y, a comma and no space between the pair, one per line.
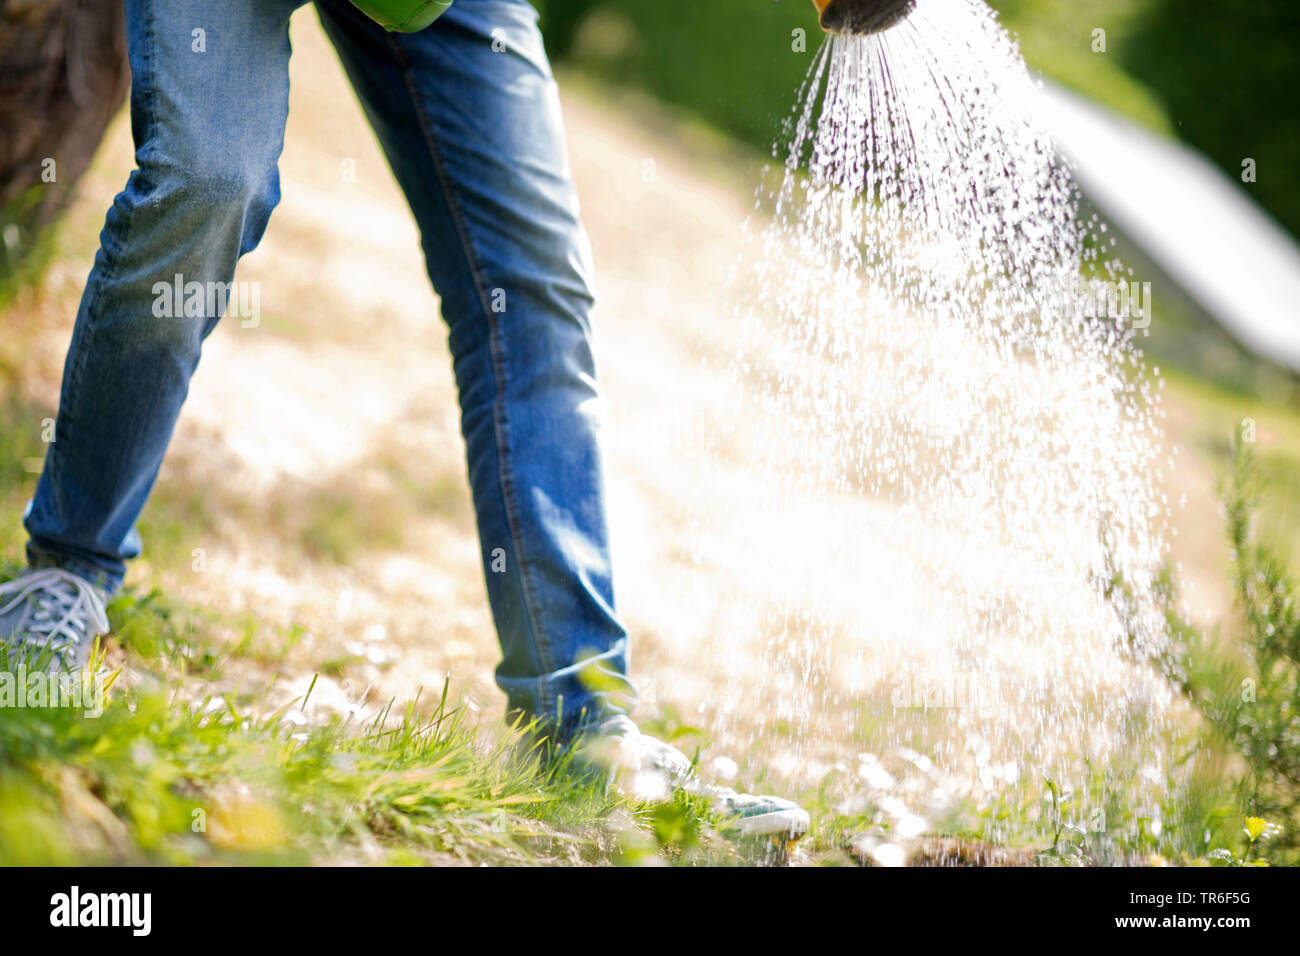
209,100
468,114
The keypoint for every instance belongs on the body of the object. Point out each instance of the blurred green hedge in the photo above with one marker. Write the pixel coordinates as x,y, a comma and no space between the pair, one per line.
731,61
1215,73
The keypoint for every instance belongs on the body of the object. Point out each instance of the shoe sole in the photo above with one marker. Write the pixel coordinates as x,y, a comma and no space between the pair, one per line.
790,823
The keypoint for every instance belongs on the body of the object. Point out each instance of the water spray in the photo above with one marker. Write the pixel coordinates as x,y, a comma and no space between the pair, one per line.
955,454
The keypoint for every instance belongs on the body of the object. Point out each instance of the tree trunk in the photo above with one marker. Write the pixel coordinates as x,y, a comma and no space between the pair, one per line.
63,76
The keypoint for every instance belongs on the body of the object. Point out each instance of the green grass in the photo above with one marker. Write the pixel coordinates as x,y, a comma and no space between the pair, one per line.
1244,680
334,517
1215,416
170,774
25,254
1057,38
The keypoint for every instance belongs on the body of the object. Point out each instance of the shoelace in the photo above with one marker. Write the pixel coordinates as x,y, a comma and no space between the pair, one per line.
65,607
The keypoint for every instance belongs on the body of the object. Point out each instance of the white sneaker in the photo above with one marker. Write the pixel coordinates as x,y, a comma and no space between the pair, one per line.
51,617
648,769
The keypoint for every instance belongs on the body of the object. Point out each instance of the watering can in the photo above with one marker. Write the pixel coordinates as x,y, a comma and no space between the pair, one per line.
861,16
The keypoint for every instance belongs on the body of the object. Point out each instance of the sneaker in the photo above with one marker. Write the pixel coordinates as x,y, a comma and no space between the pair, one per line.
755,815
51,616
646,768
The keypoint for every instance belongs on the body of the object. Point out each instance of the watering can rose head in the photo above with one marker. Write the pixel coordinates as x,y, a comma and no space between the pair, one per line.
861,16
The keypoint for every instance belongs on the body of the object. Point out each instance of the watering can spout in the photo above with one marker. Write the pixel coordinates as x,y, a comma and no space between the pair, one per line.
860,17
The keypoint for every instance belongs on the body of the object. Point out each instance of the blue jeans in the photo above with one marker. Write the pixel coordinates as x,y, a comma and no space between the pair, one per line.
468,115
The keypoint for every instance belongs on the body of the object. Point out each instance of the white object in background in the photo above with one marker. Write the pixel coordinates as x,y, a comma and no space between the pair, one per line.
1193,221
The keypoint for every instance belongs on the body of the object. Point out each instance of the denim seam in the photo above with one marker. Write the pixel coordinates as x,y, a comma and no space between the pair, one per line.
111,258
499,372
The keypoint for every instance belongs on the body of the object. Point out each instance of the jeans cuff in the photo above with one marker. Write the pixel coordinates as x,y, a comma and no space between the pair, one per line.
38,559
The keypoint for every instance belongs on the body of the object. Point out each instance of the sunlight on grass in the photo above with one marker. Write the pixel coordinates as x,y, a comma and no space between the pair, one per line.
161,777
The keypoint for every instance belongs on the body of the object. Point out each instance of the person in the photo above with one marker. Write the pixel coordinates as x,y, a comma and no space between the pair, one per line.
467,113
